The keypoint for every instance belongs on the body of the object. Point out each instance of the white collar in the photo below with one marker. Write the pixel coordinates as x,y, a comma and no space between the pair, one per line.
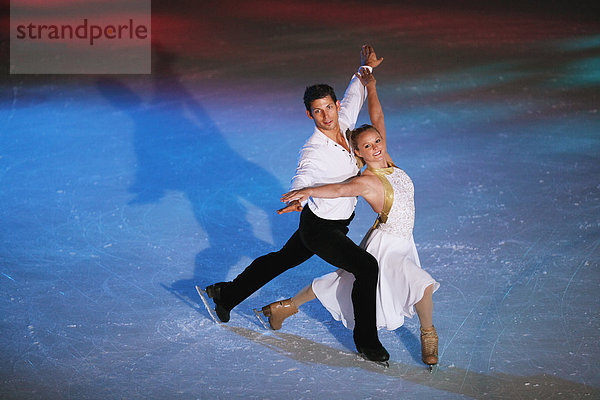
320,137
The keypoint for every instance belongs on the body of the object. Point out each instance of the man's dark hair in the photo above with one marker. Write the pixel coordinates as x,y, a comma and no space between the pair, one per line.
316,92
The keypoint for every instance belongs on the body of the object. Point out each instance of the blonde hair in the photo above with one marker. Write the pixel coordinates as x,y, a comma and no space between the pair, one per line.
352,136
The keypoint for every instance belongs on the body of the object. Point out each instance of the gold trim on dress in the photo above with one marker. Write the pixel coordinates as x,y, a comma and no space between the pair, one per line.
388,191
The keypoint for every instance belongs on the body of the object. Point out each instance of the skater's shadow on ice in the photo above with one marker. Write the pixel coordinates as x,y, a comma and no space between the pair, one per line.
319,314
449,379
411,343
180,148
189,296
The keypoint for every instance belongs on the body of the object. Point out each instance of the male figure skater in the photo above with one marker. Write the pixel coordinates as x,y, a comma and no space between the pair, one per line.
325,158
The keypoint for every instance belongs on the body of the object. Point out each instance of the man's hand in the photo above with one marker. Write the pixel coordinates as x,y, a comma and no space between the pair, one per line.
368,56
291,207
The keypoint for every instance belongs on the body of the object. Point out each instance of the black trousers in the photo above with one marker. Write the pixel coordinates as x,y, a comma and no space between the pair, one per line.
328,240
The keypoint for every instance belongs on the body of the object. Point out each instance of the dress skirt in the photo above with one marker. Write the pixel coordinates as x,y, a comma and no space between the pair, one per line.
401,284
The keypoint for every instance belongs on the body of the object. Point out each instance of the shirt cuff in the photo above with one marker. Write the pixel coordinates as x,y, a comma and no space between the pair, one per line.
365,66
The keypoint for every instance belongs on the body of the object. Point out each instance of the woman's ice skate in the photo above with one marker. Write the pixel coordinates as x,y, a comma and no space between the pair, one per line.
429,347
277,312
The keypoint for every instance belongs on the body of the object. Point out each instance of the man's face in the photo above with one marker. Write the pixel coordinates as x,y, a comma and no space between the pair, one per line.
324,112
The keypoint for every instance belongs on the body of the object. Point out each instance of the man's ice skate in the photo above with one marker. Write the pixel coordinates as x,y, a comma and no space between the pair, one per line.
277,312
214,292
429,347
377,355
203,295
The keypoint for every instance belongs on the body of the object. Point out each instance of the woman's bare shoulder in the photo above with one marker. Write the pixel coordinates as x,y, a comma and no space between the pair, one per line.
370,179
368,175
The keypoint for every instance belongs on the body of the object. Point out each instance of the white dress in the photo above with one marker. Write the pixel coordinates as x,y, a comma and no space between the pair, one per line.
402,281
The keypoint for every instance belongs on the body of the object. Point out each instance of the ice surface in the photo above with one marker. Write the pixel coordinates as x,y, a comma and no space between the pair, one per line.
120,193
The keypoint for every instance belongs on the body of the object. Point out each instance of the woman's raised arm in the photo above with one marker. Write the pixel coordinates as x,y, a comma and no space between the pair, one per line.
375,109
373,104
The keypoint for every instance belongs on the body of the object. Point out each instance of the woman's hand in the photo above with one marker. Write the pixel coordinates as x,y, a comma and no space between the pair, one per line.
365,76
300,195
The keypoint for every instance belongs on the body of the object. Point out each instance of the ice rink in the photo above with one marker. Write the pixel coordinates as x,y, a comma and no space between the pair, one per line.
119,193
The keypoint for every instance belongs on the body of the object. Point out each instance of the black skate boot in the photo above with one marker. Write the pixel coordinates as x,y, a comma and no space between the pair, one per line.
214,292
371,350
378,354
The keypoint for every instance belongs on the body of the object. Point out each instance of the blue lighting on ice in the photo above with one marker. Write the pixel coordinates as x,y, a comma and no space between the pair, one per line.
120,193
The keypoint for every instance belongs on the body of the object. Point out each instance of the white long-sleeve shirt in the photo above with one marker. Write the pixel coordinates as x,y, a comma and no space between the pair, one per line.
323,161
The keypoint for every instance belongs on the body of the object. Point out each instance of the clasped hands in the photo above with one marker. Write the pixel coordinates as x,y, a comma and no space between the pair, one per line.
294,200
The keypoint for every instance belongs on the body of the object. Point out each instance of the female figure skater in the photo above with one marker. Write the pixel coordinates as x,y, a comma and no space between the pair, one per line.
403,286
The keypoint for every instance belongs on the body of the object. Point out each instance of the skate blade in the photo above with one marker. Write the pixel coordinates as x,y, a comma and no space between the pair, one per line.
432,367
211,312
384,364
262,321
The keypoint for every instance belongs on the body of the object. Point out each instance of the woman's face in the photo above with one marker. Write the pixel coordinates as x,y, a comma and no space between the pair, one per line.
370,146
